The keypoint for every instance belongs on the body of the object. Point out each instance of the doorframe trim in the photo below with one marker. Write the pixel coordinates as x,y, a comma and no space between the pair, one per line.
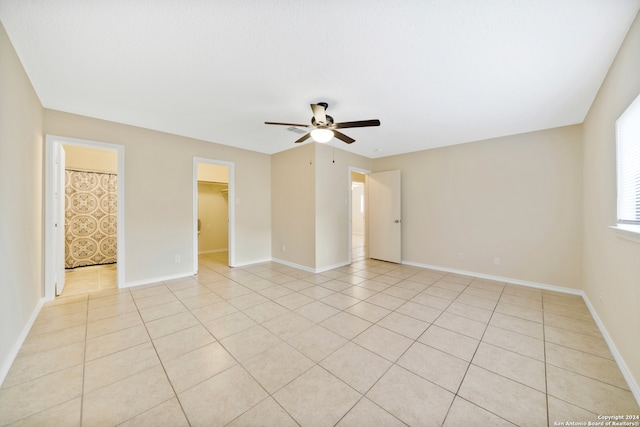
50,142
350,213
231,207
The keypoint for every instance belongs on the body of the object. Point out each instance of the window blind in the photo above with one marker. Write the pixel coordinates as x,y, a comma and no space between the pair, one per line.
628,164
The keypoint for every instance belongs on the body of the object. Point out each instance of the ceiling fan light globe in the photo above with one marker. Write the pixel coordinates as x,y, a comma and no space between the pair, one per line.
322,135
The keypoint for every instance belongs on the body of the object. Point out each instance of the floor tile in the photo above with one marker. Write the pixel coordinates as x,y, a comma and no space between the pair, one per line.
346,325
356,366
230,324
469,311
265,311
291,330
589,394
561,412
42,393
122,400
317,311
168,413
277,366
170,324
404,325
434,365
115,341
518,311
117,366
515,324
577,341
513,341
29,366
522,369
192,368
598,368
317,343
113,324
317,398
517,403
465,413
233,391
65,414
413,400
294,300
368,311
367,413
288,325
265,414
250,342
450,342
383,342
461,325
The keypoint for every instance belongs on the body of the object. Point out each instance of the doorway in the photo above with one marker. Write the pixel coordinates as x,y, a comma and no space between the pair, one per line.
84,216
357,215
213,212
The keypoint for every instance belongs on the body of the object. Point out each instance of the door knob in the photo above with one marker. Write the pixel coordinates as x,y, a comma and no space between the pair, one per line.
396,221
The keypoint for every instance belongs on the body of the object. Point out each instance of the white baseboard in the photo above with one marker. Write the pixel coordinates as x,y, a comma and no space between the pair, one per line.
628,376
498,278
253,262
631,381
143,282
6,365
294,265
309,269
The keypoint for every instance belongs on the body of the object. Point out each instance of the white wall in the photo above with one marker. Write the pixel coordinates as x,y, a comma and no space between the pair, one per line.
612,264
21,238
518,198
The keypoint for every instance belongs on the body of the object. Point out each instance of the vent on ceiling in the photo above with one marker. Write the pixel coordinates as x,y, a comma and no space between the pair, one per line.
296,130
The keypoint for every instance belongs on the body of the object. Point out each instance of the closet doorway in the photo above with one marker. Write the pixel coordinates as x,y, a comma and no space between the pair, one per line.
213,212
358,214
84,216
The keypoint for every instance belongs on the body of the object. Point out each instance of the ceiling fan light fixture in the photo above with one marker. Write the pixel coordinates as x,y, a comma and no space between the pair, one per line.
322,135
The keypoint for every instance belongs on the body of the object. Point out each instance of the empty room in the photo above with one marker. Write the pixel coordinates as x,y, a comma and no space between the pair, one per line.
280,213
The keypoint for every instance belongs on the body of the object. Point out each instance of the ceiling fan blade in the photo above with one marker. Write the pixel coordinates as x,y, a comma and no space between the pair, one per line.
287,124
319,114
303,137
356,124
342,137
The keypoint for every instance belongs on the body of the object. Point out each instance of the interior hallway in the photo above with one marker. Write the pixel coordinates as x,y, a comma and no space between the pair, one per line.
372,343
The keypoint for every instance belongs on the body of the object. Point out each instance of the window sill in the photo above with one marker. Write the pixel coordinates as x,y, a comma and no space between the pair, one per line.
629,232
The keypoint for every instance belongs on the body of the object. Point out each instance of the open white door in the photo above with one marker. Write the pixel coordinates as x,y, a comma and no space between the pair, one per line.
385,226
58,216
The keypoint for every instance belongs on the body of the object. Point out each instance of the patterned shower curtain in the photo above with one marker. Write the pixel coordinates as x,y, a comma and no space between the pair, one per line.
90,218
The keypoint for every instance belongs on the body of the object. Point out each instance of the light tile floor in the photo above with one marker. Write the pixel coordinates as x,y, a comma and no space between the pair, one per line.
370,344
92,278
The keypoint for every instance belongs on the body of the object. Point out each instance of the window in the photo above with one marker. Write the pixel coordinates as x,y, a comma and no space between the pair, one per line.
628,165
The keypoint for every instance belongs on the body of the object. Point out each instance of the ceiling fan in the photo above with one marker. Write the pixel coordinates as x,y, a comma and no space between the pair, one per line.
324,127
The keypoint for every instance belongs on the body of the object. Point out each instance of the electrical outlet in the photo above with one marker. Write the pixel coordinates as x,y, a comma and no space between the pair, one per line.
496,260
461,256
177,259
284,248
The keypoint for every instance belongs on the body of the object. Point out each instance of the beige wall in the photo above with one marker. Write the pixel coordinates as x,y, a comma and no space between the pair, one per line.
612,264
90,159
293,205
158,174
21,241
333,241
310,205
518,198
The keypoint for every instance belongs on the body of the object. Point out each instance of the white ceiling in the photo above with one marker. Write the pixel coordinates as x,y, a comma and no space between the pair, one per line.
435,72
